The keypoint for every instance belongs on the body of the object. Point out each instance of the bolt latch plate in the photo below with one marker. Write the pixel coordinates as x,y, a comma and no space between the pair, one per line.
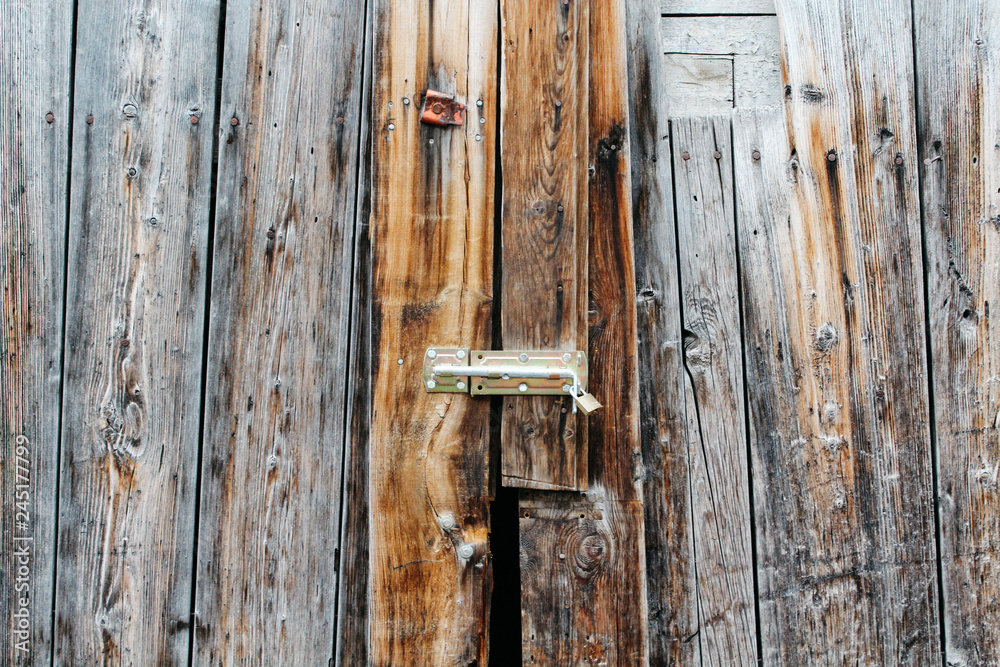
442,109
509,372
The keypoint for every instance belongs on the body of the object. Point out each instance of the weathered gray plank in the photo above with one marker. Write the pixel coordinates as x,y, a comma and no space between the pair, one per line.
274,426
34,149
670,566
716,6
958,55
696,48
830,248
716,415
142,157
544,249
583,577
432,283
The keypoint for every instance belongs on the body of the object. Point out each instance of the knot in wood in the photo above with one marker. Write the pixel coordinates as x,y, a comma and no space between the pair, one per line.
591,555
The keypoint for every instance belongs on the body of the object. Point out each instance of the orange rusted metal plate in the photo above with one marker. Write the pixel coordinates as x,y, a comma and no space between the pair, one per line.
442,109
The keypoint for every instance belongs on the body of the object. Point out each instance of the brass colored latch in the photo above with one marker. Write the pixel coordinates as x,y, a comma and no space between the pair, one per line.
493,372
442,109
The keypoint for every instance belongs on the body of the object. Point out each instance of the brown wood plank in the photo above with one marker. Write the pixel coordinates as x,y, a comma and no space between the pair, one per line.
829,230
432,249
716,415
599,584
670,564
274,426
34,150
958,119
142,163
545,216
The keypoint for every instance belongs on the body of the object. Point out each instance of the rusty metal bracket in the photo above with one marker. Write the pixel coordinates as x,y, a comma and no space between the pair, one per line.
442,109
510,372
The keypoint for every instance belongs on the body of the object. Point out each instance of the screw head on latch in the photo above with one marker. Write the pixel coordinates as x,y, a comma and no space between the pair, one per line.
460,385
522,387
431,384
523,357
460,354
567,357
431,353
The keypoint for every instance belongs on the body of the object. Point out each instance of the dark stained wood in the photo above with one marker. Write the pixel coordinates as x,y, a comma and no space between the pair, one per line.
432,249
353,574
829,229
544,292
670,564
607,611
34,150
275,406
142,162
958,53
716,415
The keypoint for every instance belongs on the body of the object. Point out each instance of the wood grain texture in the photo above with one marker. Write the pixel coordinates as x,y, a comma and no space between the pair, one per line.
544,93
141,179
716,414
274,425
608,611
958,53
717,6
353,574
432,249
692,45
670,564
830,250
34,149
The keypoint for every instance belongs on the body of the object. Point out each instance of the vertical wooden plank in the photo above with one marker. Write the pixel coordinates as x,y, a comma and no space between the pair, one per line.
142,162
354,577
670,562
716,415
830,245
431,234
34,149
958,53
583,557
545,216
274,428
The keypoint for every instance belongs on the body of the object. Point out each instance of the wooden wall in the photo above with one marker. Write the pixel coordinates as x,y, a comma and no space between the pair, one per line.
227,241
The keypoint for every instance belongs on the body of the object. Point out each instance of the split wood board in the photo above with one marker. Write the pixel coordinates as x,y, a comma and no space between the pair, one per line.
829,229
716,414
958,139
544,97
144,111
432,283
34,152
274,425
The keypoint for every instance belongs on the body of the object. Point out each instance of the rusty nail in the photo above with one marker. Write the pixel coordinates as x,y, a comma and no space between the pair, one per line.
831,156
931,160
234,121
90,120
340,120
899,159
437,107
130,110
685,155
194,119
717,155
270,233
50,118
125,342
755,155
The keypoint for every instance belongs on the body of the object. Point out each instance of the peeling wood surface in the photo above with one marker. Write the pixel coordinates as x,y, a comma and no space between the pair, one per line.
34,150
736,7
544,226
957,54
670,558
604,613
432,281
829,227
139,210
716,415
274,425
